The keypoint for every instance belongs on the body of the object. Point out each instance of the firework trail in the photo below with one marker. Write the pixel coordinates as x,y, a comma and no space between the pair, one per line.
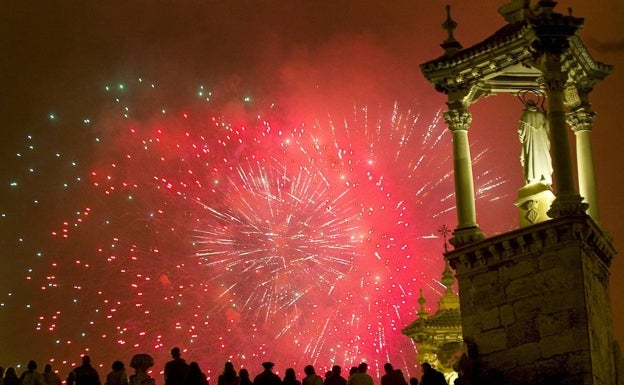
242,239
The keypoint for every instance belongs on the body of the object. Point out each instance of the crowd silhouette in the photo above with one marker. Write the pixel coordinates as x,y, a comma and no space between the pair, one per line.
178,372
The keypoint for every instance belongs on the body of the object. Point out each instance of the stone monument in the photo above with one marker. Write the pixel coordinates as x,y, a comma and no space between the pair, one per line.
534,301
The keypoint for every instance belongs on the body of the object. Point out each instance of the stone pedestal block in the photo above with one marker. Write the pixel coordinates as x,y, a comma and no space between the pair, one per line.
533,203
540,294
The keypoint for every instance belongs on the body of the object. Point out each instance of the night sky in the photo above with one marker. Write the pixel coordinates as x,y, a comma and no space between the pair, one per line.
249,180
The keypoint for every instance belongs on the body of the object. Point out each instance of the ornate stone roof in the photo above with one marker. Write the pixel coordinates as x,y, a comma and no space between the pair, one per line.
508,60
442,322
445,324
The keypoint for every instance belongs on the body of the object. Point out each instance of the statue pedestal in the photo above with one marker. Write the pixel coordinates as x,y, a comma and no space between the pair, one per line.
535,304
533,203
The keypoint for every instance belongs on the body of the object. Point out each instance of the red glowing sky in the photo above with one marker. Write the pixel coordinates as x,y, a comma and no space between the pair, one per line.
304,55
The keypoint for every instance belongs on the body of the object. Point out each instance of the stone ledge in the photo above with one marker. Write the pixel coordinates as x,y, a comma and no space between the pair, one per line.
541,237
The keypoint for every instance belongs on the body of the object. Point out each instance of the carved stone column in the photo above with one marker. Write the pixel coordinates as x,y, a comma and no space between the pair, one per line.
567,201
467,231
581,120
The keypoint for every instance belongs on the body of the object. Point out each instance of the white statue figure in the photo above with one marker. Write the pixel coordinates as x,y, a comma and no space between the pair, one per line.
535,155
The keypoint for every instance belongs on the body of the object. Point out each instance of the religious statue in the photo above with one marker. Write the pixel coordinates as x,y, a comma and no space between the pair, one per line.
534,136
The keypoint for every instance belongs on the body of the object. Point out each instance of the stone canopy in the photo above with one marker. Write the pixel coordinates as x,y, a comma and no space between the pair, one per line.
508,61
538,51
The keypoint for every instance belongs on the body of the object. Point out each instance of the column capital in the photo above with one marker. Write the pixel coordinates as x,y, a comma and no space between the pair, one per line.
552,81
581,119
458,119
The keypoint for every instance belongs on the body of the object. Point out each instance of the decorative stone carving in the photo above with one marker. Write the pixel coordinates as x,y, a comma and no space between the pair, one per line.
466,236
458,119
567,205
581,119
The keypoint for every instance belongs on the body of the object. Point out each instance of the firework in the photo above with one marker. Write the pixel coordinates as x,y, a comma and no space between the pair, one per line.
239,237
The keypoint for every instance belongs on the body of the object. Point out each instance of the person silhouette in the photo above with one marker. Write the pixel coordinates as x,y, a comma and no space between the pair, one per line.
229,376
335,378
10,377
267,377
84,374
311,377
177,369
290,377
117,375
392,377
243,374
31,376
431,376
361,377
195,375
49,376
140,363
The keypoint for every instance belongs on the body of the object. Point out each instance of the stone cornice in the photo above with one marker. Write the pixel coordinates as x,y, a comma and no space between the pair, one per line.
539,238
504,36
506,61
582,69
507,47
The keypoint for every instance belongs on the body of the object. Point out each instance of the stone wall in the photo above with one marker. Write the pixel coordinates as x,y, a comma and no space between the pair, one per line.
535,301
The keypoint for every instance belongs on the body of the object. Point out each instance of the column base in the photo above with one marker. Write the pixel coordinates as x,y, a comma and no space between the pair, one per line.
466,236
567,205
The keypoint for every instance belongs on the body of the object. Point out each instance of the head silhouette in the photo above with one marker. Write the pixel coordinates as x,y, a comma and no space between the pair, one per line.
290,373
117,366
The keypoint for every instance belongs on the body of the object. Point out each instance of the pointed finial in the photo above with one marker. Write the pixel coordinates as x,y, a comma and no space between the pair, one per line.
447,277
422,312
450,45
449,300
